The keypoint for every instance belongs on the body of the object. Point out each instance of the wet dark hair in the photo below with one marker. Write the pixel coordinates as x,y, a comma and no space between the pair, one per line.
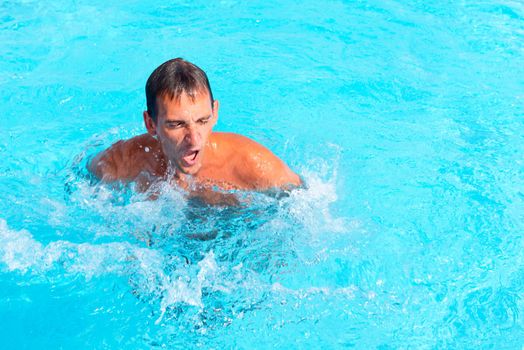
172,78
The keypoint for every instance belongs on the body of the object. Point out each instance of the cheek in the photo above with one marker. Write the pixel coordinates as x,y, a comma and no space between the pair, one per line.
172,136
207,130
169,141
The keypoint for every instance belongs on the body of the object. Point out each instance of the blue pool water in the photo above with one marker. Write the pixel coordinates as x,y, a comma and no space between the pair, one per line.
405,118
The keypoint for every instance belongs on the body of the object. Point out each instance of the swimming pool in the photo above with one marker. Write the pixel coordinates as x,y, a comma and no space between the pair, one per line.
404,118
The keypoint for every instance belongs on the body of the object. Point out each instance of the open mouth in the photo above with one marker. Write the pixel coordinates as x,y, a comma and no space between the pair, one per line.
190,157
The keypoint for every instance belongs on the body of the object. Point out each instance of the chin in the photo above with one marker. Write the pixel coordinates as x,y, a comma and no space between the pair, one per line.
193,170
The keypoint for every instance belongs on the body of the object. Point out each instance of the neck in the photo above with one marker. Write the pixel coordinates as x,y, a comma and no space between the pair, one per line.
175,176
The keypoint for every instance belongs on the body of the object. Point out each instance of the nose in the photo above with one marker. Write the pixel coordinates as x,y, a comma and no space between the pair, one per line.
192,135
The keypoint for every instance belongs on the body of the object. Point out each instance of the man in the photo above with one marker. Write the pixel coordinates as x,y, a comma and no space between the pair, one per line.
180,145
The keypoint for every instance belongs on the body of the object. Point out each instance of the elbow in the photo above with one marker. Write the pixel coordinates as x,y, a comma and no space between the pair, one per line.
294,182
288,182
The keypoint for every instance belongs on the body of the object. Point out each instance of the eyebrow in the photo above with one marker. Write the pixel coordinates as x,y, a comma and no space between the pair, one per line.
167,120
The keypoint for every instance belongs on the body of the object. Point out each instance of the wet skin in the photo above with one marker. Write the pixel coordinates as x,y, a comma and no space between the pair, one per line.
181,146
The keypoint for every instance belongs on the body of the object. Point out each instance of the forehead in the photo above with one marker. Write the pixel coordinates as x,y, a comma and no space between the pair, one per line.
183,104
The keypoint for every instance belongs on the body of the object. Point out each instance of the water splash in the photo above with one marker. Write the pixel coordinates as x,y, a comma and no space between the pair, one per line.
197,267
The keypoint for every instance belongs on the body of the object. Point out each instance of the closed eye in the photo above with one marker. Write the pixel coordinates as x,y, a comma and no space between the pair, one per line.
174,124
204,120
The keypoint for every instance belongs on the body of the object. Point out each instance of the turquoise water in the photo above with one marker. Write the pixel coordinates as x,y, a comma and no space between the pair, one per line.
404,118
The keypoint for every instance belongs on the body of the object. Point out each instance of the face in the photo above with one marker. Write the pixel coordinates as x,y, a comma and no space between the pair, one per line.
183,128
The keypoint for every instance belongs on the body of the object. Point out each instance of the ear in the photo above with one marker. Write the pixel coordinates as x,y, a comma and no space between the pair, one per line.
150,124
216,104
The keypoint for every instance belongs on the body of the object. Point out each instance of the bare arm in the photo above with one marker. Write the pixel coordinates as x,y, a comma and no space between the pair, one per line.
261,169
106,163
125,160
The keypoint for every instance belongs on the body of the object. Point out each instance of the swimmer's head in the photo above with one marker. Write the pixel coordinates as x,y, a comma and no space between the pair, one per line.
172,79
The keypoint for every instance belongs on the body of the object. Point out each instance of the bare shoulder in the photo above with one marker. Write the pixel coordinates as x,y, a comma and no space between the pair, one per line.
255,165
123,160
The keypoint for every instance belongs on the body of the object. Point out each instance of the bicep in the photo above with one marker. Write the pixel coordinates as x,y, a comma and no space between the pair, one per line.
102,168
267,171
282,176
104,165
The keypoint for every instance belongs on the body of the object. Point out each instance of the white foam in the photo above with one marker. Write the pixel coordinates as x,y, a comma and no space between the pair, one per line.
310,206
182,288
120,216
20,252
